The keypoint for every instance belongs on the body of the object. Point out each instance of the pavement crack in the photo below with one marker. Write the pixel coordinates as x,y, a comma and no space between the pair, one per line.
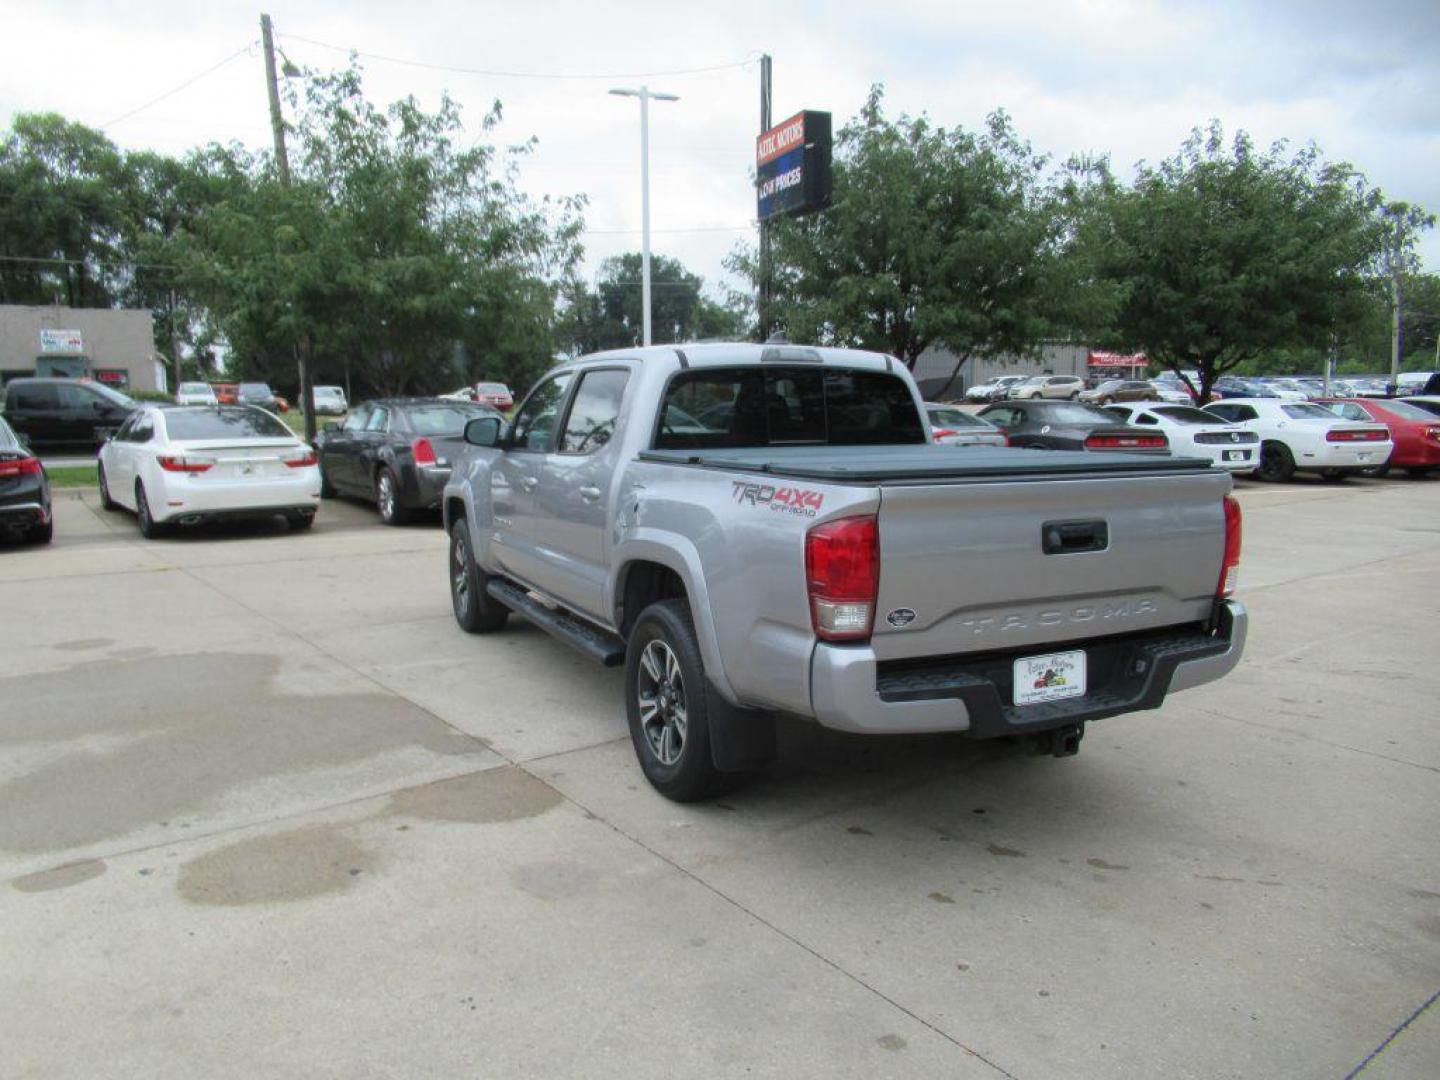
1369,1058
1317,739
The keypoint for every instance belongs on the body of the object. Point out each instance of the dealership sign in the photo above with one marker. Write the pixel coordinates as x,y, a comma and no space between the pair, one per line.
1116,360
61,341
792,166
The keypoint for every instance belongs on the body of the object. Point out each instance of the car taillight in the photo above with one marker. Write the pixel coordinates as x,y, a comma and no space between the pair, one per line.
302,459
941,432
423,452
1433,434
842,574
181,463
1004,439
1362,435
1126,442
1230,567
24,466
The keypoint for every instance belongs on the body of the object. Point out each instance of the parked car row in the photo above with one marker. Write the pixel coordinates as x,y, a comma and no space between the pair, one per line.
25,511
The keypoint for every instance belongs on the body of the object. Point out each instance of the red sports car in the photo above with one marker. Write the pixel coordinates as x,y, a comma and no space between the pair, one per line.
1415,432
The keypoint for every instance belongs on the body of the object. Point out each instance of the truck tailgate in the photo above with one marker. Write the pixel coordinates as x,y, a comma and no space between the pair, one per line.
967,568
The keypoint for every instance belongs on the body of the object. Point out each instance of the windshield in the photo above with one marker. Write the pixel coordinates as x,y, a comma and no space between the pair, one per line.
1071,413
328,391
223,422
1406,411
447,419
258,388
778,406
1183,414
492,388
954,418
1306,411
112,395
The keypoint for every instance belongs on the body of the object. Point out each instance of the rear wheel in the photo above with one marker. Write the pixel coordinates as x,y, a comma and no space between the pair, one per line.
666,703
149,527
300,520
387,498
476,610
106,502
1276,462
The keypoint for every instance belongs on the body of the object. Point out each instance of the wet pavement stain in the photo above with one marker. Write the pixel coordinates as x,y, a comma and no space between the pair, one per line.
481,798
1101,864
160,757
941,898
859,830
556,879
1221,877
277,868
1006,852
84,644
60,877
891,1042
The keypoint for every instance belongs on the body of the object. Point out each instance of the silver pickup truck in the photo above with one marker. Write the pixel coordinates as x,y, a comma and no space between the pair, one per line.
768,530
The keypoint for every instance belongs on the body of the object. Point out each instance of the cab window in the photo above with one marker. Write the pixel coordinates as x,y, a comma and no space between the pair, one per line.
594,412
535,422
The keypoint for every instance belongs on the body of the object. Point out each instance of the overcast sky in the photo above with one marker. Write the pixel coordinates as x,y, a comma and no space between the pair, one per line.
1122,77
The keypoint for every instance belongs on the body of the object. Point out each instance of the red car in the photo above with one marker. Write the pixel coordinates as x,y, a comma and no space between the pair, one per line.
1415,432
496,395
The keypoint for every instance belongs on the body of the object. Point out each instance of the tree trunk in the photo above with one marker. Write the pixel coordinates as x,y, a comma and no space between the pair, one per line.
954,374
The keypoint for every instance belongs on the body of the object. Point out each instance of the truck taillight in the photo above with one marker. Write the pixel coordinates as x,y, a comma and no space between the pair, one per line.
842,575
1230,567
423,451
1357,435
19,466
1126,442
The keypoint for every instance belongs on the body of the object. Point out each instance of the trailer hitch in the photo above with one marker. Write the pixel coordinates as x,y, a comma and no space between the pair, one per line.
1057,742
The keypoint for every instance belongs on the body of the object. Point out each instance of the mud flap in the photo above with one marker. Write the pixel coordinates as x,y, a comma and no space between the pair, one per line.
741,740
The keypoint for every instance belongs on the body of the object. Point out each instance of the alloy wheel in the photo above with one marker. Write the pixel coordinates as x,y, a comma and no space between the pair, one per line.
660,689
460,576
386,496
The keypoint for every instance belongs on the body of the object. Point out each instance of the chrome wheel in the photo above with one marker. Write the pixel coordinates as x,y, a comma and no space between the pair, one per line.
385,496
460,576
660,690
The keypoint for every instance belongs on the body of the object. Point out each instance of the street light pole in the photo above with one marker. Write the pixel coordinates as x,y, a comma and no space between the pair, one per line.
645,94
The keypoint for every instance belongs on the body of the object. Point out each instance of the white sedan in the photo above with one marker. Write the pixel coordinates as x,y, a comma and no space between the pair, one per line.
1301,435
196,393
187,464
1196,433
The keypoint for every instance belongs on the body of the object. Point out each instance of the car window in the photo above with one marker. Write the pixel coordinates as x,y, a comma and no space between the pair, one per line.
1146,418
594,411
1304,410
36,396
447,419
954,418
1001,417
357,420
223,422
1406,411
143,431
1242,413
123,435
775,406
1065,413
1119,412
77,398
1347,411
378,419
535,422
1184,414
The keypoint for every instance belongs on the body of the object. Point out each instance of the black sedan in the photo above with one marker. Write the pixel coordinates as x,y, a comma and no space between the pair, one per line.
24,491
395,452
1069,425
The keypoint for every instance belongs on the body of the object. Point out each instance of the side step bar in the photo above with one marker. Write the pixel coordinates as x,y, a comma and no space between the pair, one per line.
599,645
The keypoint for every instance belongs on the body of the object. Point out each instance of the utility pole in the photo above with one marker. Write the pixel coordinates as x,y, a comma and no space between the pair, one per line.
174,343
1396,301
282,165
645,94
762,302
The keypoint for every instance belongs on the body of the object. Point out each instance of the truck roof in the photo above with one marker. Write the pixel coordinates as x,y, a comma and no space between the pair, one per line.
721,353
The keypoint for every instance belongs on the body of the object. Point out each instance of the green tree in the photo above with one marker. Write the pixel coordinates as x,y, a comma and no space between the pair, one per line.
1224,254
934,236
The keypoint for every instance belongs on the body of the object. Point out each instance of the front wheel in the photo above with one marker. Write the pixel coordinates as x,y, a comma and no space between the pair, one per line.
476,610
387,498
106,502
666,704
1276,462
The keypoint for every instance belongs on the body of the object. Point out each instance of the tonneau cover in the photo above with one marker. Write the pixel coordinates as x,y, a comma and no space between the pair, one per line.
927,462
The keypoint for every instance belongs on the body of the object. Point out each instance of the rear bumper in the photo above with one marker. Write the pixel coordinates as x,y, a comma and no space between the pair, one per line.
187,499
19,516
422,486
851,691
1345,456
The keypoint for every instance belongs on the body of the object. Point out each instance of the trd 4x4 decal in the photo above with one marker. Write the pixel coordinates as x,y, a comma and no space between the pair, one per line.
785,500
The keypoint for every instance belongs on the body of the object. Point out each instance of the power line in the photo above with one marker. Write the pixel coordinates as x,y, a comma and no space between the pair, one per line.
521,74
187,83
696,229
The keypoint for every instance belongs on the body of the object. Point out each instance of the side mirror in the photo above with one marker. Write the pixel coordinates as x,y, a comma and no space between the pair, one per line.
483,431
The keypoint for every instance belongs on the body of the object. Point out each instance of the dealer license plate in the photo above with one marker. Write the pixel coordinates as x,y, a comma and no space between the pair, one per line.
1237,455
1049,678
1363,455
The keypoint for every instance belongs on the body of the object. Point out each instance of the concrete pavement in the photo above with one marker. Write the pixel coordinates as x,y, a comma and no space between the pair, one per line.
264,810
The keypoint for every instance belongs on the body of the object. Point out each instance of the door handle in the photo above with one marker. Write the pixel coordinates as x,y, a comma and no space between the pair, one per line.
529,483
590,493
1073,537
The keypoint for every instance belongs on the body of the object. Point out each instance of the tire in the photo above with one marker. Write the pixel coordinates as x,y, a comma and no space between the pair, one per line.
41,534
1106,401
106,502
1075,395
1418,472
666,703
387,498
300,521
1276,463
476,610
327,489
149,527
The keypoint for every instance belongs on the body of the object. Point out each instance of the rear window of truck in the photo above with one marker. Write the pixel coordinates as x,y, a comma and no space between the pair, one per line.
782,406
